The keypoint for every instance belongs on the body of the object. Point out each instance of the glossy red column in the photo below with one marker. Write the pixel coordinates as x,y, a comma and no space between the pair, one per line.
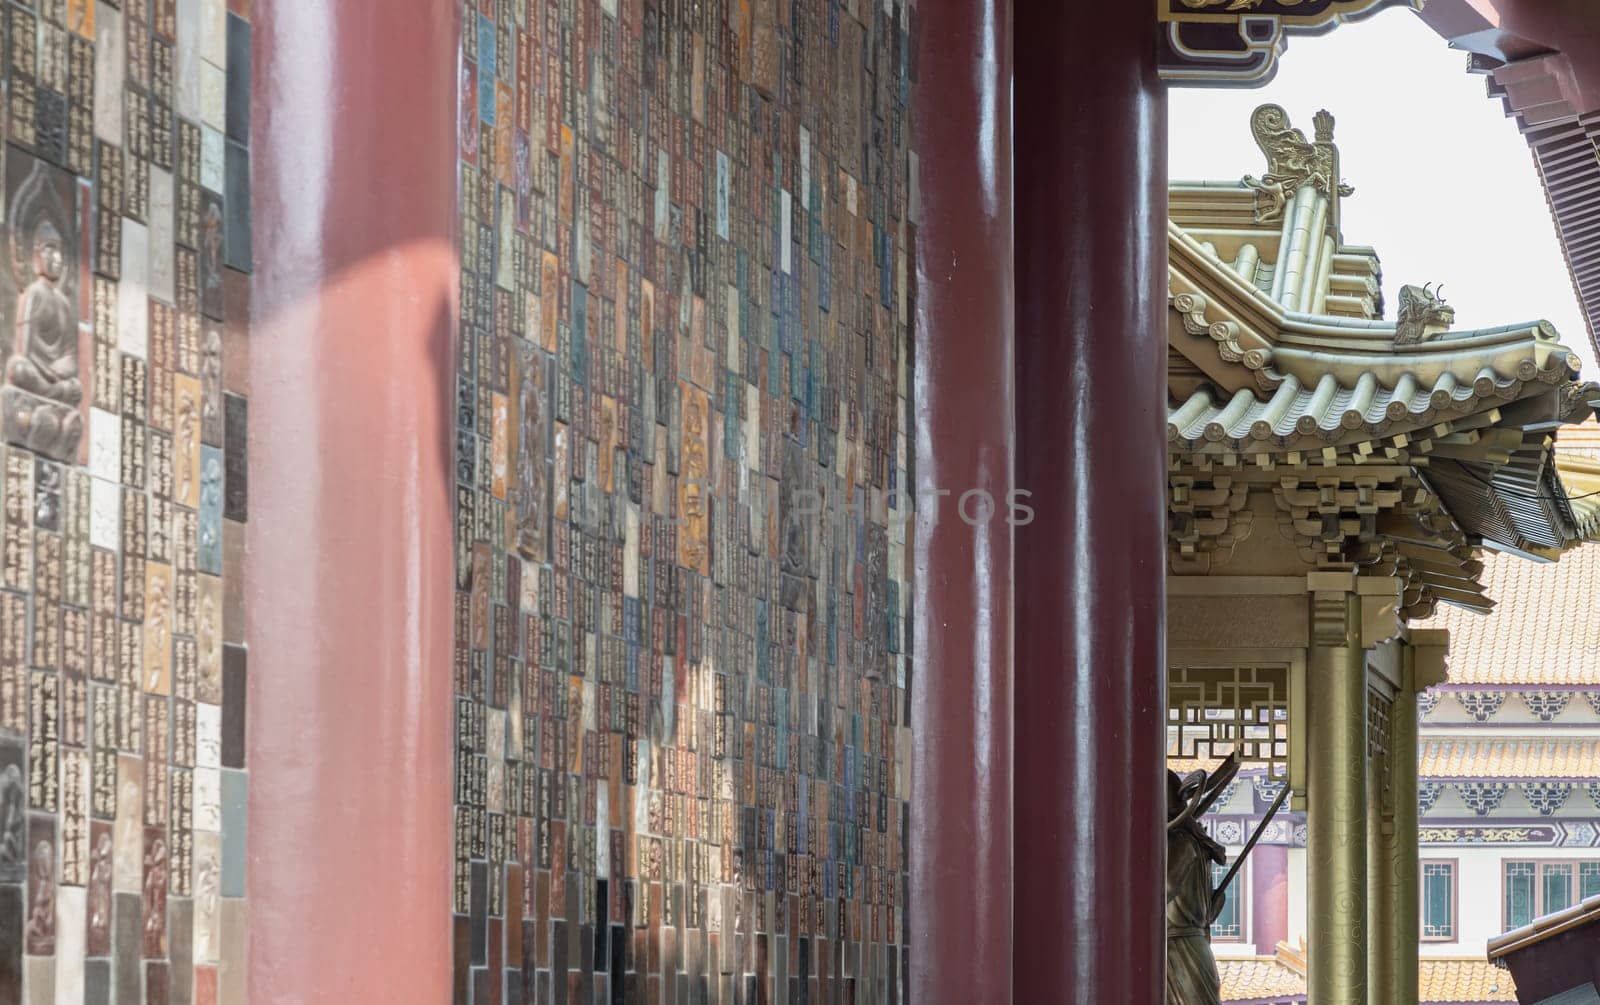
1091,446
960,855
350,558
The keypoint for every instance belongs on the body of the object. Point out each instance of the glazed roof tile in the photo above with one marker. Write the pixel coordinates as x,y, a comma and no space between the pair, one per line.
1543,630
1458,982
1440,981
1574,758
1260,979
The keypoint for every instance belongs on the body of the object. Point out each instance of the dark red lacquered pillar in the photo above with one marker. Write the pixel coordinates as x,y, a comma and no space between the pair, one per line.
960,855
1091,411
350,558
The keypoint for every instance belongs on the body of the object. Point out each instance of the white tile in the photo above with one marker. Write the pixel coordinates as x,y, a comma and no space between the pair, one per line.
105,514
105,445
213,96
630,553
109,71
186,69
805,168
208,736
212,160
161,235
784,209
127,838
71,936
214,31
133,291
207,887
207,798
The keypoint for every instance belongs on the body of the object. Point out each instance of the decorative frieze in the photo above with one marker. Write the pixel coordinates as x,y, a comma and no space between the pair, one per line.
1481,705
1483,798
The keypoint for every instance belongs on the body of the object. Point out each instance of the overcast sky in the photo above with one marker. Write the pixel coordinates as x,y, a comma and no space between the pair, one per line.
1445,188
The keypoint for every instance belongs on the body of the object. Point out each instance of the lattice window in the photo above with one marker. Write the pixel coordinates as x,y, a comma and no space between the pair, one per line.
1438,901
1428,793
1483,797
1214,710
1379,742
1588,879
1520,894
1546,797
1481,705
1546,704
1229,926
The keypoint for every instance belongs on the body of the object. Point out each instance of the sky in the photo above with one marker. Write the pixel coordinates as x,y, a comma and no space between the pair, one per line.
1445,187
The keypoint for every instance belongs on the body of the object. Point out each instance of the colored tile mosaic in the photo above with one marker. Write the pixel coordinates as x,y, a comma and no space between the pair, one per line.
122,449
682,759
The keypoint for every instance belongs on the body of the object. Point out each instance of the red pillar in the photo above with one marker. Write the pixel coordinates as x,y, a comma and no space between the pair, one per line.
1269,897
350,558
960,904
1091,349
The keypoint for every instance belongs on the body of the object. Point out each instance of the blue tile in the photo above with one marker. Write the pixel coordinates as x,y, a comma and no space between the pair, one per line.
211,476
235,798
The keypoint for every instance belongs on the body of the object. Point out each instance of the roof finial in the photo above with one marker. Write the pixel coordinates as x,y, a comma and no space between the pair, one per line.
1292,161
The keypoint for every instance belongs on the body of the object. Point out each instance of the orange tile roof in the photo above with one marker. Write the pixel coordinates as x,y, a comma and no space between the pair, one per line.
1563,757
1439,981
1262,977
1455,982
1545,629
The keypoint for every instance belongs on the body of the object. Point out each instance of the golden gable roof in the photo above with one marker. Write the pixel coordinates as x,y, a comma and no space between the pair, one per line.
1399,443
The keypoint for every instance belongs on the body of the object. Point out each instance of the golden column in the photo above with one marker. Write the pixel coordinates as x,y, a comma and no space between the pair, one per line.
1336,797
1392,841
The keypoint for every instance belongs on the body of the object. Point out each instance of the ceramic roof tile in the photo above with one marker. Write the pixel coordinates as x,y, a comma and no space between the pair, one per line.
1573,758
1543,629
1258,979
1439,981
1458,982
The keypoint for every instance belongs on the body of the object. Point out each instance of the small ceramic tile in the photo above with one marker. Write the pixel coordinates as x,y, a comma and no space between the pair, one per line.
109,73
133,310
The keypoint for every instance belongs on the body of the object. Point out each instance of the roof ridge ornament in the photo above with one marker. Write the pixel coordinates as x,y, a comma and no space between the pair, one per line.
1292,162
1424,315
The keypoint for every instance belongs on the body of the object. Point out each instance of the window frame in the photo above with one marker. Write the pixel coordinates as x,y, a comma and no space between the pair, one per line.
1242,900
1455,899
1540,865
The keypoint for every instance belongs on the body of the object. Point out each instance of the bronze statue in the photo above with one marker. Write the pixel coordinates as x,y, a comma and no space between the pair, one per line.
1192,902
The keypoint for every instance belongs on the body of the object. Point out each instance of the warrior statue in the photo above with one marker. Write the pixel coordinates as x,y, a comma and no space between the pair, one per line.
1192,902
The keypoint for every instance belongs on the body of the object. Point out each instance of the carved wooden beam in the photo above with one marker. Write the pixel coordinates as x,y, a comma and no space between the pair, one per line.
1236,43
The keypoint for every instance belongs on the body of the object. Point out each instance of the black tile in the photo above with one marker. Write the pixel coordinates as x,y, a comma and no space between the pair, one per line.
236,182
234,688
126,923
238,109
236,438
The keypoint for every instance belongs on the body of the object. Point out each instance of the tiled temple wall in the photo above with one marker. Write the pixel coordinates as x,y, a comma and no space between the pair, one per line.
682,759
122,472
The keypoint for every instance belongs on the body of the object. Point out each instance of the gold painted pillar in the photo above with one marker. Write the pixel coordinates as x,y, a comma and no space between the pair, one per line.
1392,843
1336,800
